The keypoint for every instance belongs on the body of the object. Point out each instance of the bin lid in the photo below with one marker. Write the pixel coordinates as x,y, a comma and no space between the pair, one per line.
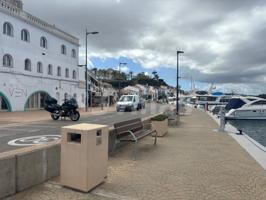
85,127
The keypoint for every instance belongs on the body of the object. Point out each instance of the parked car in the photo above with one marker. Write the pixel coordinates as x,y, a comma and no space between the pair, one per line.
128,103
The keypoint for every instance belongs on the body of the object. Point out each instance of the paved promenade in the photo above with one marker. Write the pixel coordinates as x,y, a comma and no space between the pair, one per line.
190,162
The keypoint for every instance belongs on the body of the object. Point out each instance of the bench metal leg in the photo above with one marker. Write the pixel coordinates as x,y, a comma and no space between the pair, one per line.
155,138
135,150
114,146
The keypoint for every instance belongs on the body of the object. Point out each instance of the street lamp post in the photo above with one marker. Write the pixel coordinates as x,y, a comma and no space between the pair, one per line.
177,82
119,81
86,70
101,86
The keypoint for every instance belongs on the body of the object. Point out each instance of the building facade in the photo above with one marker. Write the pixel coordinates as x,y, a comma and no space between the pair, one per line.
37,60
131,90
100,92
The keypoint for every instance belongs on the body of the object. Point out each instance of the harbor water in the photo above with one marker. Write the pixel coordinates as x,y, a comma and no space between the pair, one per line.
256,129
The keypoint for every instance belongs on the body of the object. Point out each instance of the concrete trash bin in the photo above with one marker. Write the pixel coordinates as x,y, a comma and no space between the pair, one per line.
84,156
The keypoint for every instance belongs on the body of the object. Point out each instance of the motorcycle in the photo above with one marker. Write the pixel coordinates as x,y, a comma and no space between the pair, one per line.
67,109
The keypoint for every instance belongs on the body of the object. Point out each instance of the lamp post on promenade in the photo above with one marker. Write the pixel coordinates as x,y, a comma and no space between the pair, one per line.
119,81
177,82
86,68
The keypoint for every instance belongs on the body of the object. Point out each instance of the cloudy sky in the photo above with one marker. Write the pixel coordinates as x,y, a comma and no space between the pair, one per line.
224,40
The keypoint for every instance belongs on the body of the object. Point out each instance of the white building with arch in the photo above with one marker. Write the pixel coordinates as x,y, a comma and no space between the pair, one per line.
37,60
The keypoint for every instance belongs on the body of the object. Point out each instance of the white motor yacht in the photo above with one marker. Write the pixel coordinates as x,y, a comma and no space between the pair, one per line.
241,108
212,100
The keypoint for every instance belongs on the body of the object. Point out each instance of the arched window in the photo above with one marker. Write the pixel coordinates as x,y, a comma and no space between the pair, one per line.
7,60
75,96
63,49
67,73
8,29
27,65
39,67
74,54
74,75
58,97
50,69
25,35
82,98
65,96
58,71
43,42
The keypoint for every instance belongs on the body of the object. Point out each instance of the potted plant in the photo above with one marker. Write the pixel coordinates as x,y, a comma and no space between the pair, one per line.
160,124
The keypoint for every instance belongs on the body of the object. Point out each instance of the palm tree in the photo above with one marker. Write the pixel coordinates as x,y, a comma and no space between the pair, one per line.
123,76
105,74
115,74
109,74
155,75
94,70
131,75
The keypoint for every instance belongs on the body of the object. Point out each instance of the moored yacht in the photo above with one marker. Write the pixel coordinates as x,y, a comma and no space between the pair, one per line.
212,100
246,108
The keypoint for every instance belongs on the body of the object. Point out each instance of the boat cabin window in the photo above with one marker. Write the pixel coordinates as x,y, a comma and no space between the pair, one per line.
251,99
261,102
225,99
206,98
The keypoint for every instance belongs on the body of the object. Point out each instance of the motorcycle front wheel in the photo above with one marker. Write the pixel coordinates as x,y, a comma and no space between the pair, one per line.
74,116
54,117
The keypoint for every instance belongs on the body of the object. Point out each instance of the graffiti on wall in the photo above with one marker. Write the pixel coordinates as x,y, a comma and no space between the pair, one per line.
18,92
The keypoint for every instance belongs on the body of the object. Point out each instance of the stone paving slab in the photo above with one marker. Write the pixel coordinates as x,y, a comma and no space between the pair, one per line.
190,162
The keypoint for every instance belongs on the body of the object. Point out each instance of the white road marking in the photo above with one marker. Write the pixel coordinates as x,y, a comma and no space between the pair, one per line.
104,193
33,131
33,140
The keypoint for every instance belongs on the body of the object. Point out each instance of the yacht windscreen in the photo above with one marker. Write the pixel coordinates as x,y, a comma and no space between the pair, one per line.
234,104
261,102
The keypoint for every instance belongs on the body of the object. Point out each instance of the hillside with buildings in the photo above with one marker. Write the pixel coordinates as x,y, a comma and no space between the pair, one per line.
114,77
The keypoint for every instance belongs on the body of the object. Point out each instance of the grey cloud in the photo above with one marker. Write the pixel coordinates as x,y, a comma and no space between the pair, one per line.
240,76
162,27
249,53
118,24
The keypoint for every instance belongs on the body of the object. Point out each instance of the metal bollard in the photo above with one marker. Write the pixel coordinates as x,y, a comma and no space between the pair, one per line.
206,106
222,120
240,132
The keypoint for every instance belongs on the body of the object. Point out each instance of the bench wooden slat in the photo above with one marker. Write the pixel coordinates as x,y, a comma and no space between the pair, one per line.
132,130
133,125
126,123
138,136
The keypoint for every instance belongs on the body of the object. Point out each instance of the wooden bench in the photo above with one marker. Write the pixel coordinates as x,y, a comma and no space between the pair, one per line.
132,131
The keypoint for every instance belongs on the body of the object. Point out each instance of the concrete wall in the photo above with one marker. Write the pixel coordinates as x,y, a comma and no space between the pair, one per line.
7,176
31,168
24,168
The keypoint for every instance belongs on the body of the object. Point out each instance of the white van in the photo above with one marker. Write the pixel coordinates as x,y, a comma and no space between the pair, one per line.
128,103
171,100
